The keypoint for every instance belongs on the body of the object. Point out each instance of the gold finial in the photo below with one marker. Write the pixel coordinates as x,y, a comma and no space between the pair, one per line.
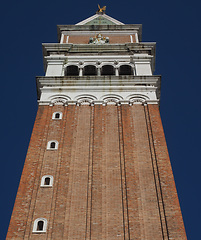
101,10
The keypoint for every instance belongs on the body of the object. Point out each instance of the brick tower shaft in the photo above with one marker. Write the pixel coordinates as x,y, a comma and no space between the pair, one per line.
97,166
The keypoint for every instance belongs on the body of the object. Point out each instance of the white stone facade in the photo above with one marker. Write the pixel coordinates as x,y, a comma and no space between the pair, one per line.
98,89
142,65
66,80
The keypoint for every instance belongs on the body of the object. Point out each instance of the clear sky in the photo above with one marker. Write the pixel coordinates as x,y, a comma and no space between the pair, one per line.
174,25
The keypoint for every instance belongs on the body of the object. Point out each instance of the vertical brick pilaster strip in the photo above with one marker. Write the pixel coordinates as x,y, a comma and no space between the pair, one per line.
76,228
156,177
150,218
173,214
112,188
56,193
96,223
131,176
45,196
72,122
123,177
107,211
37,178
63,182
102,151
24,197
98,170
89,187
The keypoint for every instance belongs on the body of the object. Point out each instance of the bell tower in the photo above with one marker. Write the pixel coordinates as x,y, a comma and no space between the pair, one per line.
97,166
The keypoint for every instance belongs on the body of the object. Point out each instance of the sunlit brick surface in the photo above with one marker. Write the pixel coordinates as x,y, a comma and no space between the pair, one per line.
112,177
85,39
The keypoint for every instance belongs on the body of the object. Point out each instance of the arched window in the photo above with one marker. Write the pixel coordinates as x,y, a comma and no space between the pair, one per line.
57,115
125,70
107,70
40,225
52,145
72,70
90,70
47,181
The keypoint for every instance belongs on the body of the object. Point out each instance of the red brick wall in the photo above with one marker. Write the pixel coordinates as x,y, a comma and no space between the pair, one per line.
85,39
29,176
65,39
174,221
112,176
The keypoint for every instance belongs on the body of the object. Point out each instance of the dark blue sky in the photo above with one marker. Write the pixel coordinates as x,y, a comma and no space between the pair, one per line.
174,25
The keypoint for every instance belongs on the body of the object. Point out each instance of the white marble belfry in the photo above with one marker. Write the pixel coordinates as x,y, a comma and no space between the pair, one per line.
138,86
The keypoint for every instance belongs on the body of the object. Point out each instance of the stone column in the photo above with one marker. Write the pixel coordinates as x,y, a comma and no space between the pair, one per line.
80,71
116,70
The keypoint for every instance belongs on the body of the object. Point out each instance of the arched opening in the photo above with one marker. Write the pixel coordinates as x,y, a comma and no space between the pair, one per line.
125,70
40,226
57,115
90,70
107,70
72,70
52,145
47,181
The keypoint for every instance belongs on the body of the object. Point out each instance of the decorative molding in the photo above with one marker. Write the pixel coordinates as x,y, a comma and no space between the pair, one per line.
85,101
108,101
108,97
98,39
58,100
96,89
104,103
137,98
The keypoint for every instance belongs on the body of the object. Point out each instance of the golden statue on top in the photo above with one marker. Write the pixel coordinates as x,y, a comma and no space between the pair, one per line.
101,10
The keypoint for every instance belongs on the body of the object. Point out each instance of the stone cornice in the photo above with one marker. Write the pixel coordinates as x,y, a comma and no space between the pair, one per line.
57,48
126,57
97,102
99,80
104,84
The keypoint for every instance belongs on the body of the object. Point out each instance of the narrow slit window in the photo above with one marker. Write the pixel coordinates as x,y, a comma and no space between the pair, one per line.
40,226
47,181
52,145
57,115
